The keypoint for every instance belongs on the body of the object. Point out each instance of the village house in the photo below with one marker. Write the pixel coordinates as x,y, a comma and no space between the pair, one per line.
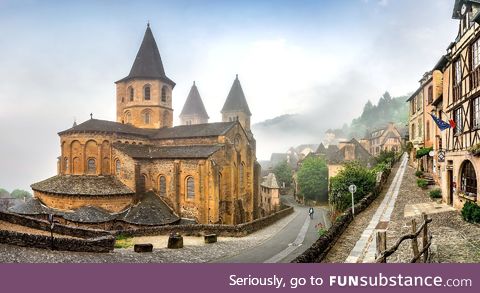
142,167
451,92
270,195
387,138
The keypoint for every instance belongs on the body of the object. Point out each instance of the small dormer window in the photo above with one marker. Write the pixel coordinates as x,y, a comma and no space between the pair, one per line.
146,93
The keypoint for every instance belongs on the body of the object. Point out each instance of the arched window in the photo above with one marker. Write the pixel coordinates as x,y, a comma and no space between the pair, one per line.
163,186
413,131
66,164
128,117
190,188
92,166
469,179
164,94
146,92
130,93
241,175
118,166
146,117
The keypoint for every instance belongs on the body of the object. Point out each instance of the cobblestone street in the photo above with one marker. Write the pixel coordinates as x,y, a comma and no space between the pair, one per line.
454,240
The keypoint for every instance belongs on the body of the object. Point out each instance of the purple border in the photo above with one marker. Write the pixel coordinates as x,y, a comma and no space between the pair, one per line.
175,278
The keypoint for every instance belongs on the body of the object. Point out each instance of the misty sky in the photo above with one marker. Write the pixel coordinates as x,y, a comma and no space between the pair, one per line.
59,60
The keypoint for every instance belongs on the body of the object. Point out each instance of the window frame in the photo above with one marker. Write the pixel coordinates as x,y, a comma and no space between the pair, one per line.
91,168
147,89
190,190
468,178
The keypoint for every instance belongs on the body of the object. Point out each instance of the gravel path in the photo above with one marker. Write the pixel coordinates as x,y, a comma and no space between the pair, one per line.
194,251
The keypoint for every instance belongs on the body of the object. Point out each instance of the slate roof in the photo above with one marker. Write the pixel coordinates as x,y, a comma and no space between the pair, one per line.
167,152
183,131
148,63
89,214
321,149
151,210
236,100
270,181
96,125
361,154
191,131
194,104
82,185
31,206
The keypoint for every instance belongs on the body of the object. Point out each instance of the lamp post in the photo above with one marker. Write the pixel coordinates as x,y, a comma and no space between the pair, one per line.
52,225
353,188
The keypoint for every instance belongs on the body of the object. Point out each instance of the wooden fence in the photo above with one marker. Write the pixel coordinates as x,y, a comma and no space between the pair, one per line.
383,252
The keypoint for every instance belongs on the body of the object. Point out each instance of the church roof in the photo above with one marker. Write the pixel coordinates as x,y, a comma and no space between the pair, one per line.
82,185
194,104
183,131
148,63
167,152
31,206
151,210
236,100
89,214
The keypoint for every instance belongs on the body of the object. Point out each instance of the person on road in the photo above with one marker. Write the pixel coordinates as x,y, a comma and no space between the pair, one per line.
310,212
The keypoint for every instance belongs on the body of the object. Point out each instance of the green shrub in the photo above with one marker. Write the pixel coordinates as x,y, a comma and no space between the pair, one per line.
471,212
422,183
122,241
418,173
352,173
436,193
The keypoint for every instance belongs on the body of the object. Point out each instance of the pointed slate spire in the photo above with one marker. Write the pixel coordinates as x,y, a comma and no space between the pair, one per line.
194,104
148,63
236,101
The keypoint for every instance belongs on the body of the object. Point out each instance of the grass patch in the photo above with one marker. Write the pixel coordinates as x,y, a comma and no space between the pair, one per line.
122,241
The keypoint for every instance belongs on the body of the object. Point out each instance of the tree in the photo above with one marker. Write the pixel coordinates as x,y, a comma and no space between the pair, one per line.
352,173
4,193
284,173
312,179
18,193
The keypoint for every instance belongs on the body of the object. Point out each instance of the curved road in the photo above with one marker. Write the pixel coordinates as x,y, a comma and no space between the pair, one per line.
298,235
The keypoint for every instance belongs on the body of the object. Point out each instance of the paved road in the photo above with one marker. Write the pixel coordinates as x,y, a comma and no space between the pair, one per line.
288,243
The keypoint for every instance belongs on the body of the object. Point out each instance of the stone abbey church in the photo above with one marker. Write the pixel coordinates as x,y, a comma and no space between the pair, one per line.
143,170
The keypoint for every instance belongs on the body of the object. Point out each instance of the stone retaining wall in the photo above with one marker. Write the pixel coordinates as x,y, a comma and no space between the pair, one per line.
321,247
202,229
100,244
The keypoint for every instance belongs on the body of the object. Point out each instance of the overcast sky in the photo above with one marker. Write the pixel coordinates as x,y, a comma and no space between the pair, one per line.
59,61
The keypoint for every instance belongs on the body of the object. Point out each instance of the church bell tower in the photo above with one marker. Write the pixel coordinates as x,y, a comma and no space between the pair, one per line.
144,97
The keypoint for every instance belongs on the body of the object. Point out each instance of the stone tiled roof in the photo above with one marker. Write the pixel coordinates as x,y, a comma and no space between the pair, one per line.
236,100
321,149
148,63
82,185
167,152
96,125
192,131
89,214
270,181
194,104
183,131
151,210
361,154
31,206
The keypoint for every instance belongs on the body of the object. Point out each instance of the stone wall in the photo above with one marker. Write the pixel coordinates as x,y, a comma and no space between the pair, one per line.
100,244
321,247
203,229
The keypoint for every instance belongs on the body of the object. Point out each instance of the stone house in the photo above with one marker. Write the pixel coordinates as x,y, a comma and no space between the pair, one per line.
387,138
270,195
206,172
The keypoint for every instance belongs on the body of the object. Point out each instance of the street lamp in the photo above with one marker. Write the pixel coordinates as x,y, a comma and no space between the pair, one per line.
353,188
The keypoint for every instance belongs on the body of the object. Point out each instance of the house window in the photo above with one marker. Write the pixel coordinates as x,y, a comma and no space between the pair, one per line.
163,186
469,179
476,113
131,93
430,94
458,118
414,106
420,128
164,94
91,166
66,164
190,188
118,165
476,54
146,93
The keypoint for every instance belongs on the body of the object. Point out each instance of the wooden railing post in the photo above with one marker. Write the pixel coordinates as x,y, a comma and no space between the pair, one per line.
414,240
381,244
425,237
